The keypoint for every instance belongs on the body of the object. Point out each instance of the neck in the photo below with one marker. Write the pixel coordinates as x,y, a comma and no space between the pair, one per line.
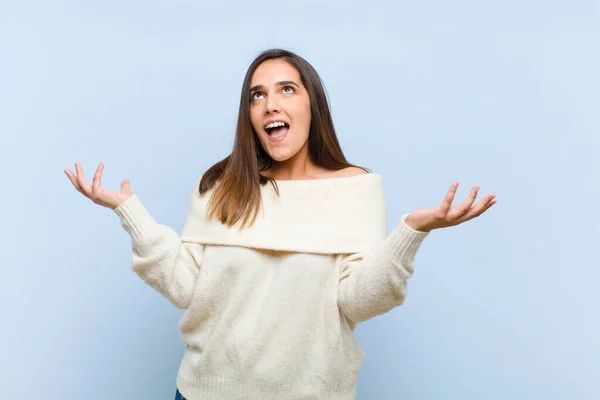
300,166
282,171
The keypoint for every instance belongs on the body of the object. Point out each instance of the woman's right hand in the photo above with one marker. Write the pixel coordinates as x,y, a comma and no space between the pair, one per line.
95,192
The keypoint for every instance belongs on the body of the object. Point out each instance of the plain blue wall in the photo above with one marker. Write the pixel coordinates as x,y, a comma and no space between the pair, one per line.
503,94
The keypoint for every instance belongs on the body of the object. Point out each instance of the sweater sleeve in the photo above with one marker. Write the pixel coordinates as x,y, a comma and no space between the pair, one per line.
159,257
374,282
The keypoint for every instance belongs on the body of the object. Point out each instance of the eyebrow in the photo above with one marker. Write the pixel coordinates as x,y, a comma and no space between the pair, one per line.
281,83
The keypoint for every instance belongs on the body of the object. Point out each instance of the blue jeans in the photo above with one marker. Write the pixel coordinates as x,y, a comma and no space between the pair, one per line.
178,396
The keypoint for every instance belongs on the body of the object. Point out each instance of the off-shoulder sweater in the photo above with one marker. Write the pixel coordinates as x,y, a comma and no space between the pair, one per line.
270,309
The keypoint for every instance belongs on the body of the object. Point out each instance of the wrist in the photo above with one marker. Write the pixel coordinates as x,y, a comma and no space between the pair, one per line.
415,225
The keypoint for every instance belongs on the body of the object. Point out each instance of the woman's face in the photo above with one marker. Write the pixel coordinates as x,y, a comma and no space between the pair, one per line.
280,110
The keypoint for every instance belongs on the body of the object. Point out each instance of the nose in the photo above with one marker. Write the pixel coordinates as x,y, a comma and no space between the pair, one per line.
272,106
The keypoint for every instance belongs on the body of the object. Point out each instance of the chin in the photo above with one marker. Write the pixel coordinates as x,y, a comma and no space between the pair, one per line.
281,156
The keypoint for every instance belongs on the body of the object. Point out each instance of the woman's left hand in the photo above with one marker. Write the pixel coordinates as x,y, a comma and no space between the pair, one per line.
445,215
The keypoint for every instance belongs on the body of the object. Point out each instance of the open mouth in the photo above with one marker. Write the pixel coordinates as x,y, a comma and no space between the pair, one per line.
277,130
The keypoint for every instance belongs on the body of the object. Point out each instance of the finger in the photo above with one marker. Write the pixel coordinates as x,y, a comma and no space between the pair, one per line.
468,203
447,203
96,188
73,180
479,209
126,186
490,202
83,183
97,182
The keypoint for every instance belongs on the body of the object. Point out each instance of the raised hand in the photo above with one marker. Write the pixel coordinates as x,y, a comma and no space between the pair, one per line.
95,191
445,215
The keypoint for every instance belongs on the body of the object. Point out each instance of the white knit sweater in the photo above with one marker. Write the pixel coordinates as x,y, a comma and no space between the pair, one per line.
271,309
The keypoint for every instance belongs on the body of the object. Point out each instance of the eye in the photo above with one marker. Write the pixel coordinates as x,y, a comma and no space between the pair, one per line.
255,96
288,89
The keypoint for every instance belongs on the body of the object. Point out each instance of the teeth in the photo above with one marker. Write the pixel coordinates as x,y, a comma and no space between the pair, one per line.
274,125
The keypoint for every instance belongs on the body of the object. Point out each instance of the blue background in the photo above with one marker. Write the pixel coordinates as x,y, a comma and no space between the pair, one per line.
503,94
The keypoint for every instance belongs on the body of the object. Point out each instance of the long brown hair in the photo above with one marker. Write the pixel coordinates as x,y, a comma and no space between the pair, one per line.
237,194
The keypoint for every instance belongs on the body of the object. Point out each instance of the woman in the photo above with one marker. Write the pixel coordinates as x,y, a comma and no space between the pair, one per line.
284,249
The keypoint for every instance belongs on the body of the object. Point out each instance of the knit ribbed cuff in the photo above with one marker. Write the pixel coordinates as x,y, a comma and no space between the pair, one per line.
405,242
135,218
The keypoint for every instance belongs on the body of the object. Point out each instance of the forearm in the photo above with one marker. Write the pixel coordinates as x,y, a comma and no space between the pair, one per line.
158,255
376,283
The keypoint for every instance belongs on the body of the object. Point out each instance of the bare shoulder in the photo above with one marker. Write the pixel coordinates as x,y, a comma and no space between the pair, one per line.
350,171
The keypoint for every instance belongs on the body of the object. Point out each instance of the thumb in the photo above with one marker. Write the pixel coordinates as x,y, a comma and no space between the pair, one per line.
125,186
